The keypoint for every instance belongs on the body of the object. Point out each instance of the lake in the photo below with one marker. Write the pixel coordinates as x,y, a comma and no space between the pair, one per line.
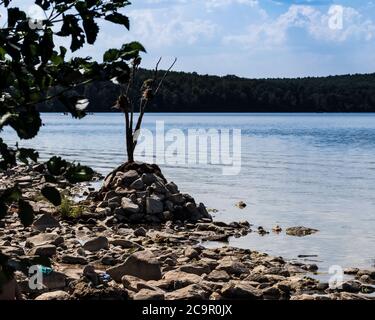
315,170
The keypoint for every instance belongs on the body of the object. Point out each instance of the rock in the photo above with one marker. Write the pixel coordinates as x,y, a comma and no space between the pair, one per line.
85,291
148,178
367,272
147,294
154,206
191,292
127,244
54,280
181,279
172,187
44,239
191,253
366,289
137,185
55,295
271,293
10,291
177,198
141,264
70,259
300,231
241,205
140,232
240,290
351,286
233,267
351,271
96,244
129,206
46,221
129,177
218,276
195,269
47,250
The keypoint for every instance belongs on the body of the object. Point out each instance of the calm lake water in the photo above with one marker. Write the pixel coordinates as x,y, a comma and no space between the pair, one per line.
315,170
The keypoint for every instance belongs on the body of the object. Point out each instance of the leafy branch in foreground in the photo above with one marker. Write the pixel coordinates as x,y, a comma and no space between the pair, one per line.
34,70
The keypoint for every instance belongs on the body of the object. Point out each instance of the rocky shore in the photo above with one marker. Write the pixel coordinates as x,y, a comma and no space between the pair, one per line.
140,238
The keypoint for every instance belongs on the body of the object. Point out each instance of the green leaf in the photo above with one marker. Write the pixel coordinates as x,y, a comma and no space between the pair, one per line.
71,28
57,166
119,19
25,213
111,55
71,103
79,174
27,123
91,29
15,15
24,154
52,195
47,46
133,46
11,195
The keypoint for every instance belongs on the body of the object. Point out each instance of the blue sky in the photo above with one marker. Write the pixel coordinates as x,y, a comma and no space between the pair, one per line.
251,38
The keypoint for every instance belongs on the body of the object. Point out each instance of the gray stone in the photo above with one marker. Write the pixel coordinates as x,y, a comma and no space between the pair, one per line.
154,206
148,178
172,187
177,198
137,185
45,221
96,244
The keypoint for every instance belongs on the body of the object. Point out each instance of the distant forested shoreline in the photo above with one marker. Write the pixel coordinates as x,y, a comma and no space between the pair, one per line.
190,92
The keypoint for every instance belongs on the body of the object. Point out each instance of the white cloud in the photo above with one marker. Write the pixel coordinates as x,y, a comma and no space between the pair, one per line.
169,27
270,32
223,3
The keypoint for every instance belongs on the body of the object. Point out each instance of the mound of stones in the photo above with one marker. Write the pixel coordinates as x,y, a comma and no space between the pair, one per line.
139,193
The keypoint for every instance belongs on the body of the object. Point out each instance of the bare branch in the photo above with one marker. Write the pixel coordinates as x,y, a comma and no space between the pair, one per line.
165,75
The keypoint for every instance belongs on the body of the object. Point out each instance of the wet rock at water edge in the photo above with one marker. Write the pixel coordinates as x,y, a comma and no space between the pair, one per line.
300,231
241,205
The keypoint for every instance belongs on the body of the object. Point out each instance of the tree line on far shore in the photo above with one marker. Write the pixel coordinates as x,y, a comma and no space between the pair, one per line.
190,92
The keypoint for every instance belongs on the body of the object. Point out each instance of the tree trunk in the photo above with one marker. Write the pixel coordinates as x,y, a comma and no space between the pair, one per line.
129,139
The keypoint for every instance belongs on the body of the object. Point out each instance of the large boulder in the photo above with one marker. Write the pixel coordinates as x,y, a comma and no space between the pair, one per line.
45,221
96,244
141,264
44,239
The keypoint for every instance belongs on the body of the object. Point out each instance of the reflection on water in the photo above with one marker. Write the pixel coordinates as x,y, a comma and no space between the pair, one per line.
315,170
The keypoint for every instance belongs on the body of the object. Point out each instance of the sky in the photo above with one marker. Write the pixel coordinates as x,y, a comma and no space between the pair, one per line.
249,38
